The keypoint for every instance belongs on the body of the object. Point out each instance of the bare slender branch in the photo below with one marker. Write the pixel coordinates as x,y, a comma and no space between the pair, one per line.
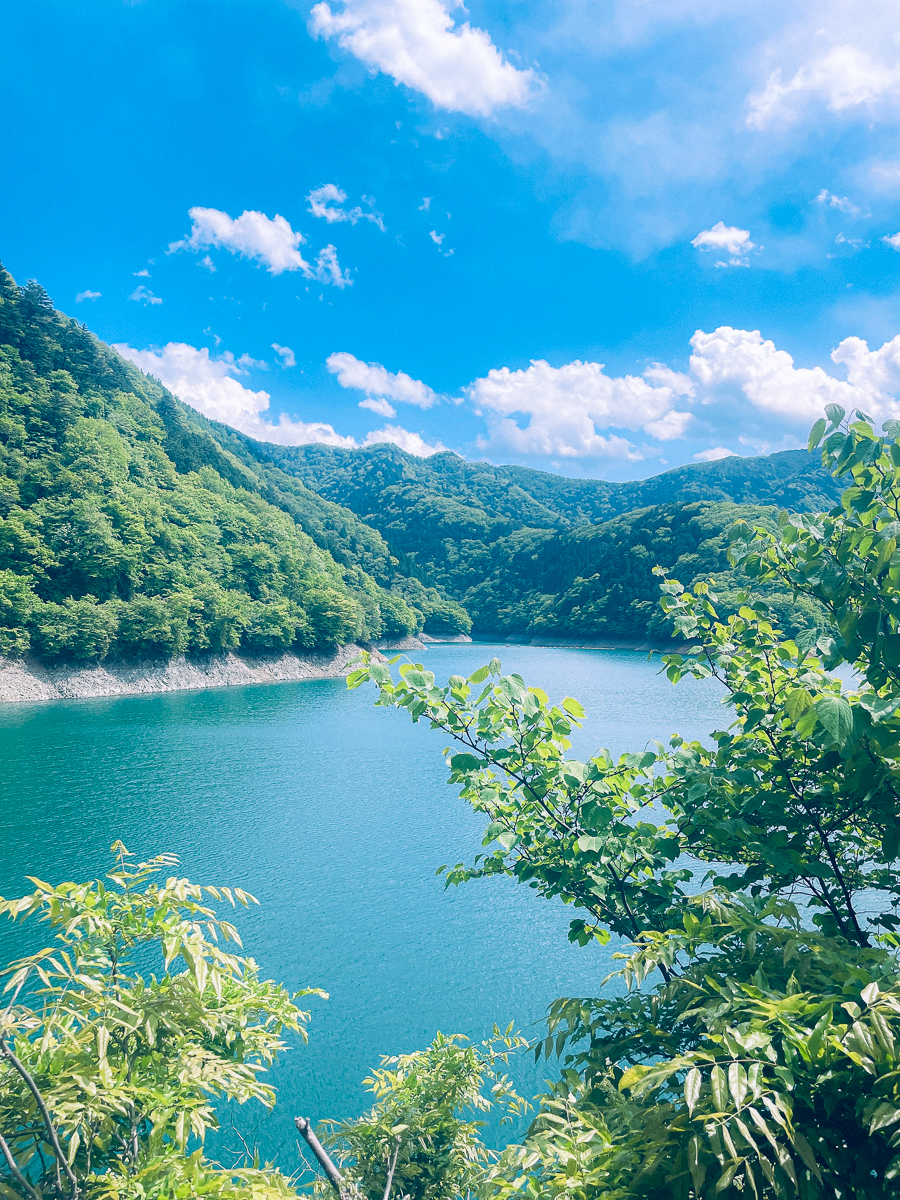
45,1113
390,1175
322,1156
16,1173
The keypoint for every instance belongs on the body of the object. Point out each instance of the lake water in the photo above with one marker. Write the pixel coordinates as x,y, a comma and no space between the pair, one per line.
336,815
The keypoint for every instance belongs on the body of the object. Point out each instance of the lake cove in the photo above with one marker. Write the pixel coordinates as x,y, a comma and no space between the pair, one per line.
336,815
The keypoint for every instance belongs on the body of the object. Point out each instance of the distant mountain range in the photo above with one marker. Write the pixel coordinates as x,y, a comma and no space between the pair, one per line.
130,525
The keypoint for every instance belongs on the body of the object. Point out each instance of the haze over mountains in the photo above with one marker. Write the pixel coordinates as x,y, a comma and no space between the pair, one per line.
131,525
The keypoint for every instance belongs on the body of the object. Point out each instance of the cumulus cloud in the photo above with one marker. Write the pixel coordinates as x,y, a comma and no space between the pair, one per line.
412,443
267,240
251,235
324,202
375,380
144,272
729,238
211,386
418,43
382,407
735,377
89,295
893,240
737,363
143,295
566,407
286,354
844,77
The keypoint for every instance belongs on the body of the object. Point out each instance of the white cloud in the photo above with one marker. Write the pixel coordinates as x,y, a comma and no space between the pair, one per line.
714,454
288,358
436,237
418,44
730,364
843,77
252,235
209,385
893,240
382,407
328,269
375,380
323,203
143,295
412,443
143,273
566,407
729,238
207,262
89,295
842,203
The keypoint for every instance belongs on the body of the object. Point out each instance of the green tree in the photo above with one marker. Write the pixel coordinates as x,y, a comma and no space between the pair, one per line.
422,1138
109,1075
757,1048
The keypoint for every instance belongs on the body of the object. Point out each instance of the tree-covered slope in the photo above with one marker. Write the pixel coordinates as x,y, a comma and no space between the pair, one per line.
384,484
126,526
597,581
531,553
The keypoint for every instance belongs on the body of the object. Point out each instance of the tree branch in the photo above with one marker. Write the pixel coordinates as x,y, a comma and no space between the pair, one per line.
62,1160
16,1173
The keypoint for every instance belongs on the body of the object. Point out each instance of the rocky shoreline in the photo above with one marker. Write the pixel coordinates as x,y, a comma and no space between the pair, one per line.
27,681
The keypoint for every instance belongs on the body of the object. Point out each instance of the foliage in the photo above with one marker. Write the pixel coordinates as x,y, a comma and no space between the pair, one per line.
754,1050
109,1072
534,554
127,527
421,1139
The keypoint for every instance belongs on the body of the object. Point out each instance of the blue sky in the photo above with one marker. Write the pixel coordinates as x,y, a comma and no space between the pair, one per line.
597,238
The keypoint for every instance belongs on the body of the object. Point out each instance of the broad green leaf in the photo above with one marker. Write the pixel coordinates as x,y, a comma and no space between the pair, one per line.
835,716
816,433
573,708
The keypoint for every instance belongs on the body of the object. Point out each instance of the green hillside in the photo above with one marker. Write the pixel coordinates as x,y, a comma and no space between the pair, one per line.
131,525
448,515
531,553
127,527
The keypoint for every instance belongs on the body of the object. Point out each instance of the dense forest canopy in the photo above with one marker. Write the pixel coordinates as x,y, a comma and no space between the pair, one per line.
125,525
131,525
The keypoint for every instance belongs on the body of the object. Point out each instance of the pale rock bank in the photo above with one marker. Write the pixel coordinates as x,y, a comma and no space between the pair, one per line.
26,680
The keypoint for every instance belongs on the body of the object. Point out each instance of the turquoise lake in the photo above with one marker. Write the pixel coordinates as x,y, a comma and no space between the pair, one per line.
336,815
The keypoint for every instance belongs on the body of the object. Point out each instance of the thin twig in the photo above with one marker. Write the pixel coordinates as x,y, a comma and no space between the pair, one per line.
45,1113
390,1174
16,1173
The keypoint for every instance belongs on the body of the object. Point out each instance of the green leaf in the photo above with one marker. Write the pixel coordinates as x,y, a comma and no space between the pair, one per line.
890,843
573,708
480,675
835,716
816,433
835,413
465,762
692,1085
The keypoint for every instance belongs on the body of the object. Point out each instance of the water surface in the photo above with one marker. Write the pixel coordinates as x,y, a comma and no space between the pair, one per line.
334,814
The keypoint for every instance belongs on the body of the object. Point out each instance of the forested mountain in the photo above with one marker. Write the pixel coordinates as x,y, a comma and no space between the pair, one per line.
531,553
126,526
132,525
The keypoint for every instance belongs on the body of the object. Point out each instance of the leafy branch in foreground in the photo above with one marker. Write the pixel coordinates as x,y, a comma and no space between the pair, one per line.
755,1051
107,1073
421,1139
